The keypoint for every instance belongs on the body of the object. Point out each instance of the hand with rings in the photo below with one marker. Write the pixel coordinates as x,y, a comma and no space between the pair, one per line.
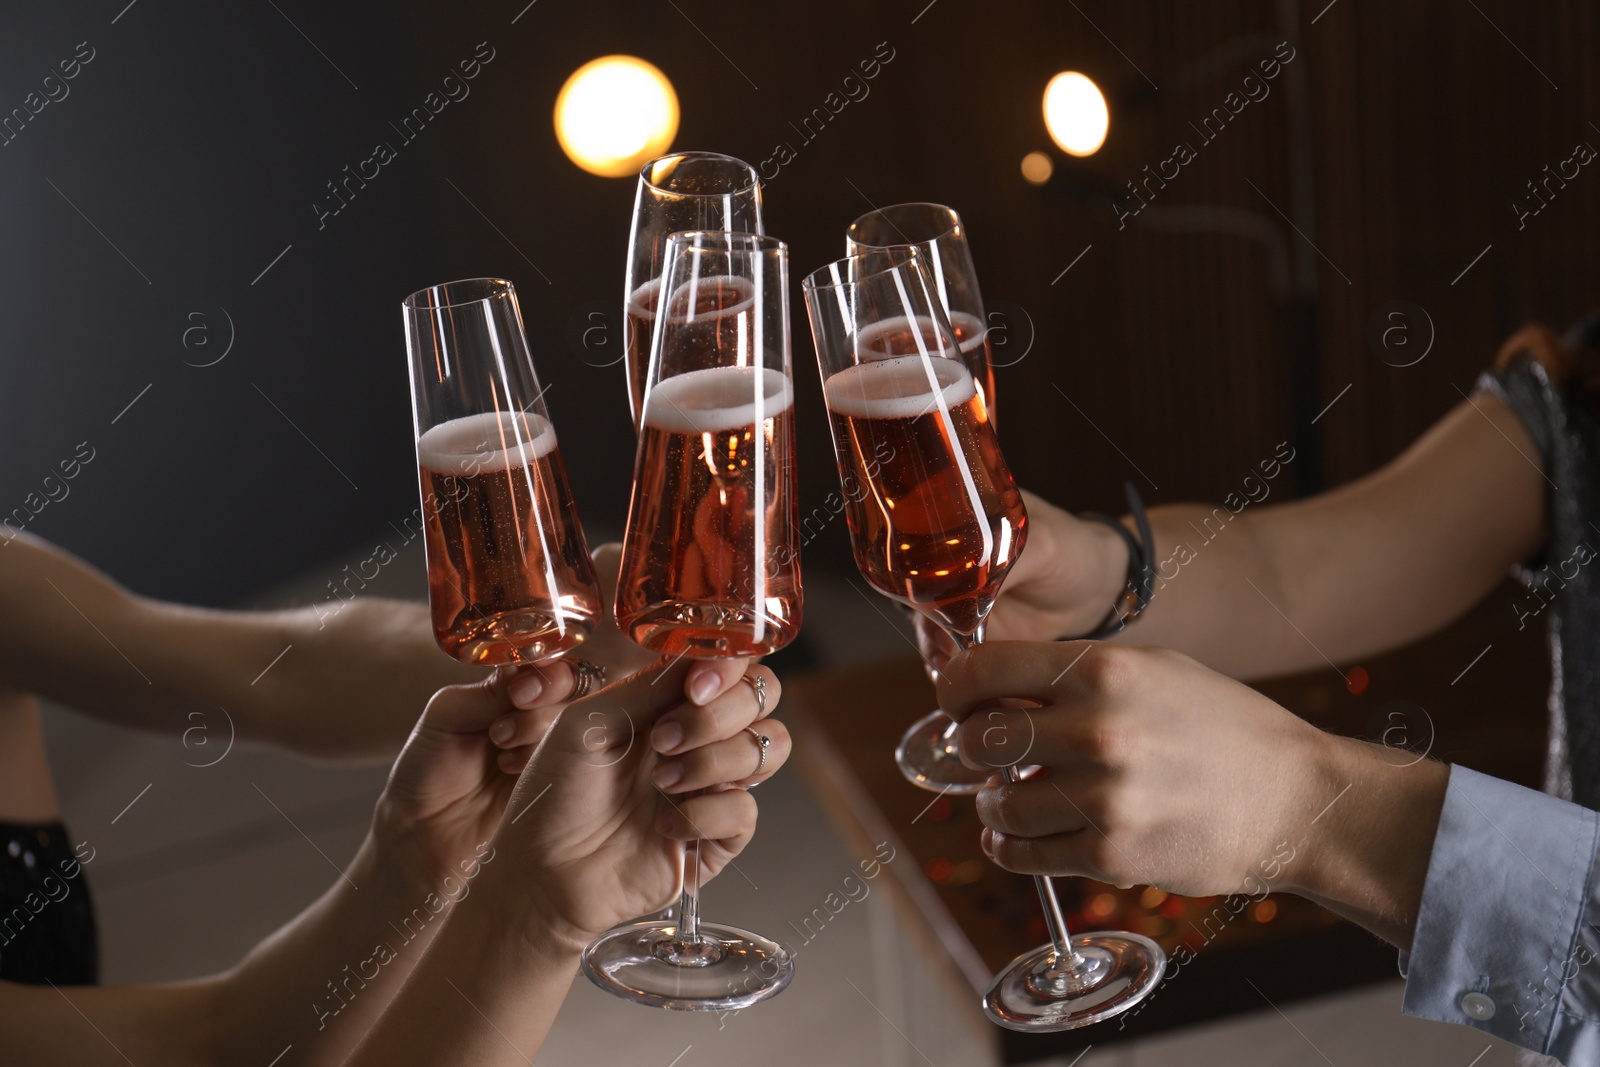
538,693
729,741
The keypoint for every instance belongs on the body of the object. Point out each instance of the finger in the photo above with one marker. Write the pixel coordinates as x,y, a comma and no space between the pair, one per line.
1076,854
1045,672
733,760
996,738
512,760
519,727
543,684
1032,809
469,708
688,726
934,644
711,678
726,815
716,855
615,716
607,566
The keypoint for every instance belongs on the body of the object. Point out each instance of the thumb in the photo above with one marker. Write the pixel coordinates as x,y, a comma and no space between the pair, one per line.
607,567
613,719
453,726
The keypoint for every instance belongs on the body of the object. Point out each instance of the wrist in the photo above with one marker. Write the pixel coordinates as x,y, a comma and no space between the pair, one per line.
517,904
1368,827
1100,557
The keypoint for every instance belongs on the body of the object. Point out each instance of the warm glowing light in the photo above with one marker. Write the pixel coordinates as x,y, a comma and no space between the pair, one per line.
615,113
1037,168
1151,898
1357,680
1265,911
1075,114
1102,906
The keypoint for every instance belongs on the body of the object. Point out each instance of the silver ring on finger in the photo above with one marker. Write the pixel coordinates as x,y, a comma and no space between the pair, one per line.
759,685
586,677
763,742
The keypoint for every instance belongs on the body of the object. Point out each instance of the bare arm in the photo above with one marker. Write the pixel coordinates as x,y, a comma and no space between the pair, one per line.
1258,590
345,685
486,994
602,846
313,985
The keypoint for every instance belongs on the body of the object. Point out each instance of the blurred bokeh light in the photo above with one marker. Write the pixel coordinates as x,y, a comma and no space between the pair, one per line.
1075,114
615,113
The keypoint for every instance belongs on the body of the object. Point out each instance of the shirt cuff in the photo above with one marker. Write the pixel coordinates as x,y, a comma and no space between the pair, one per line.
1508,882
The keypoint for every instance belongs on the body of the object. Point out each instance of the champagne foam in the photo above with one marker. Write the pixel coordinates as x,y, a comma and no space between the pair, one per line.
869,345
492,440
972,326
899,387
642,301
716,398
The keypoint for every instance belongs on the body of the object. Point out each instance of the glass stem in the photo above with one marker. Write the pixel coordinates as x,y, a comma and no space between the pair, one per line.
689,902
1060,939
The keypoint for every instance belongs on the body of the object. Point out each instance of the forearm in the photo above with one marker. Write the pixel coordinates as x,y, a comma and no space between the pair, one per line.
1217,593
345,682
320,982
1365,849
485,993
110,1026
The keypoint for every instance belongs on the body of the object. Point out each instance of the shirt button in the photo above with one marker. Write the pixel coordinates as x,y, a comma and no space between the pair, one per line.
1478,1006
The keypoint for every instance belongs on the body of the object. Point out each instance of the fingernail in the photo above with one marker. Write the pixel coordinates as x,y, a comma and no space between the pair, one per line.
986,842
704,687
502,729
525,689
668,774
666,737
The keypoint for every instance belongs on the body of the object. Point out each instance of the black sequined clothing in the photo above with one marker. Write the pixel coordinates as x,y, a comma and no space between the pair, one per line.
46,918
1565,575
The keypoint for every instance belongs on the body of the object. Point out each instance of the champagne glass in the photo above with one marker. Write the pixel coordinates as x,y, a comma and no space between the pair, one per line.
938,232
926,755
936,521
677,192
710,560
509,574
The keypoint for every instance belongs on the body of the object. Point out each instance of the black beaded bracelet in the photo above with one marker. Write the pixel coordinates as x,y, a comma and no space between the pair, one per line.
1140,587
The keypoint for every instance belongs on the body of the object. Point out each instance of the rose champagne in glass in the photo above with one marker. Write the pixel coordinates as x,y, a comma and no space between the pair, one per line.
936,522
710,560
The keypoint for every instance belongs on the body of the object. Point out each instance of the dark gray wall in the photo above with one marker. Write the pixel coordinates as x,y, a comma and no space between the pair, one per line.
200,136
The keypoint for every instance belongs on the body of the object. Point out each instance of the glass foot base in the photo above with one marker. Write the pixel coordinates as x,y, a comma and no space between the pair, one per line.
928,760
726,969
1038,992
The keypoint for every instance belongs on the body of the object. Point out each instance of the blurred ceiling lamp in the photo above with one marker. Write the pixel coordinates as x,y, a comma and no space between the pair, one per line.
1075,114
615,113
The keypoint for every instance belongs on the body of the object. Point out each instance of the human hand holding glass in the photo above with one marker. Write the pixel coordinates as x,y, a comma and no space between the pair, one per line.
936,522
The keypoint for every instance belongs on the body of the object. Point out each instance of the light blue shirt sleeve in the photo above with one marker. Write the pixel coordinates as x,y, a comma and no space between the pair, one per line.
1506,939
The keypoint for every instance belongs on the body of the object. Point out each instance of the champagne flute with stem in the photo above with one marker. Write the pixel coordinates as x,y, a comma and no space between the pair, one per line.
710,561
936,522
676,192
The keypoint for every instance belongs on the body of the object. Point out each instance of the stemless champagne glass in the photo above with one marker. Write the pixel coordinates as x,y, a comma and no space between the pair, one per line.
936,521
677,192
509,574
938,233
710,560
